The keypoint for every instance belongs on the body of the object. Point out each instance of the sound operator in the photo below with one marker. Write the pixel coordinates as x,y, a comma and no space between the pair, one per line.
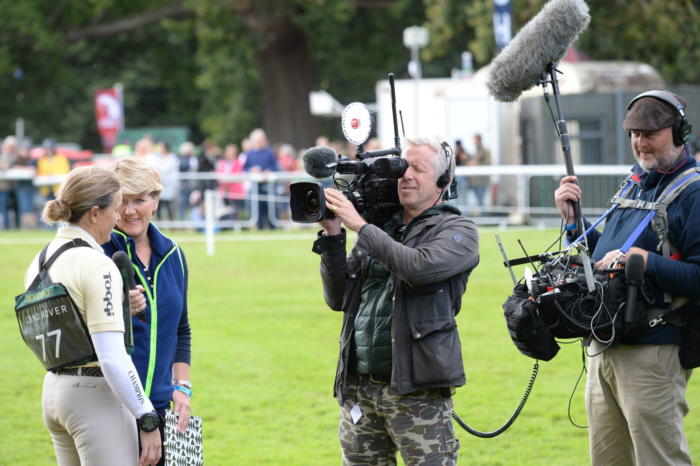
635,391
400,289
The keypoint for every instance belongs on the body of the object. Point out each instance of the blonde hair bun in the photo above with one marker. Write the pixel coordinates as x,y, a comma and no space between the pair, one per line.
82,188
56,211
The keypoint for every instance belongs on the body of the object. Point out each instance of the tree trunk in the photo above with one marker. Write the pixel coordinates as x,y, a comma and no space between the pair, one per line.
285,79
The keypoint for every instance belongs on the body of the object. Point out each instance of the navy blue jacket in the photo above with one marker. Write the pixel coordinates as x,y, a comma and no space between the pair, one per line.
262,158
677,277
163,337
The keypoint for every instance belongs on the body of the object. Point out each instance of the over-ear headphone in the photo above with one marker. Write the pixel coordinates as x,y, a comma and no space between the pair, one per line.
682,128
444,179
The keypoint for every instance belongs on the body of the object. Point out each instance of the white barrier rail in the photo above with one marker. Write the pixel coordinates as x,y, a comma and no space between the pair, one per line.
514,194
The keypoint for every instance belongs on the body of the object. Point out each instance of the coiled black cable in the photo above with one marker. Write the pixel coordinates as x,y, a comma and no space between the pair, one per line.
513,417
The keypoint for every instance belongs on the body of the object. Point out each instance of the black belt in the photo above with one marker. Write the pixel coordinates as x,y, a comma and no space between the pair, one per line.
92,371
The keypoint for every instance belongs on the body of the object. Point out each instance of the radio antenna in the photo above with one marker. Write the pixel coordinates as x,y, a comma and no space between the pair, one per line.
397,141
506,262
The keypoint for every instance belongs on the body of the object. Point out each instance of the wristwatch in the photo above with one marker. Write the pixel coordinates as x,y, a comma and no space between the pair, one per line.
149,421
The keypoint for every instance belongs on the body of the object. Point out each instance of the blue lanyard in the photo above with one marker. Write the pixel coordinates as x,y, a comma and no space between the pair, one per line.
604,216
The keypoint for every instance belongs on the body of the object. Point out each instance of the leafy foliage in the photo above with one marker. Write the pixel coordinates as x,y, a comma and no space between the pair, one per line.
198,63
664,34
53,92
227,79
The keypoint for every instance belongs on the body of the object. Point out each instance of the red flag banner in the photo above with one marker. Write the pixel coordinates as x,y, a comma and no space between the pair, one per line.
109,111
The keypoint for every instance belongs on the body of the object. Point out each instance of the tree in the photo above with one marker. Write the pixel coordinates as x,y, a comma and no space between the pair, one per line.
63,62
224,67
663,34
267,40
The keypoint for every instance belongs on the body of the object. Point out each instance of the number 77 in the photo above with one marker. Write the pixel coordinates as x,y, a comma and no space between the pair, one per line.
40,337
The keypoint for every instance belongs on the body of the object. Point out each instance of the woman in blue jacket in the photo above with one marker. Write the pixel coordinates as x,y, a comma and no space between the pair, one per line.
159,307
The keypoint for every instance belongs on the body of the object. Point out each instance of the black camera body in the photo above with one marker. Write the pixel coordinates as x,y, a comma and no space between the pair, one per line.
373,191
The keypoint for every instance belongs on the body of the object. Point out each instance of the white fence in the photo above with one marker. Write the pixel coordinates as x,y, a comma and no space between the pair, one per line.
515,194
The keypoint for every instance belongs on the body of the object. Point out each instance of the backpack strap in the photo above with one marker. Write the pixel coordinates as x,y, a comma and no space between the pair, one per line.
659,223
44,265
625,187
635,204
657,215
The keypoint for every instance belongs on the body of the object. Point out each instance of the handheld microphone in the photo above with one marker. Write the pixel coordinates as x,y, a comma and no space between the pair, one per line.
316,161
543,40
126,270
634,272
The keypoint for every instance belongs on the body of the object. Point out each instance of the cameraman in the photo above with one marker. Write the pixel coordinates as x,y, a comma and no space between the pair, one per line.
400,289
635,391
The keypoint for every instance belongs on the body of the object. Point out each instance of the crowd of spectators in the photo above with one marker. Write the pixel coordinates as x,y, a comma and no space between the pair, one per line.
478,185
186,171
183,173
19,163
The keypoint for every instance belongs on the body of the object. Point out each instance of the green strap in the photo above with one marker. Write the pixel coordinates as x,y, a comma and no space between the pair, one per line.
154,325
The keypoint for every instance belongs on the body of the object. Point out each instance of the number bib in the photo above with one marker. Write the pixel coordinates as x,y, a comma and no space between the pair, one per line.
53,328
49,320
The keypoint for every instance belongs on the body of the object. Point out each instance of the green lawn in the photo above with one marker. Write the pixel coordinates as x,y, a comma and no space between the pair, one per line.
264,354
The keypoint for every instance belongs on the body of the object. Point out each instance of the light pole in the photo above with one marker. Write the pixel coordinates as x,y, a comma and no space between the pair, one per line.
415,38
18,74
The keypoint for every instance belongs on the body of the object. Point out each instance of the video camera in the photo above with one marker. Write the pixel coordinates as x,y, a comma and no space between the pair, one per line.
373,188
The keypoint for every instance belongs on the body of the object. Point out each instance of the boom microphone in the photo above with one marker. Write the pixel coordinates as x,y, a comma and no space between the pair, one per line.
543,40
316,161
634,272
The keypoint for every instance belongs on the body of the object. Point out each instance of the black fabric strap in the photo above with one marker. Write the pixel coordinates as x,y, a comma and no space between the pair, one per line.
77,242
44,266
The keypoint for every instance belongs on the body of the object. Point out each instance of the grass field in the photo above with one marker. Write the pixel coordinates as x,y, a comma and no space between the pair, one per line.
264,355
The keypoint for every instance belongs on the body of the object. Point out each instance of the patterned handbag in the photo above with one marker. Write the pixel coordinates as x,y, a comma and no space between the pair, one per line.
183,448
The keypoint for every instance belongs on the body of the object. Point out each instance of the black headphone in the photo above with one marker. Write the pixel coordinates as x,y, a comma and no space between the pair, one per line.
682,128
444,179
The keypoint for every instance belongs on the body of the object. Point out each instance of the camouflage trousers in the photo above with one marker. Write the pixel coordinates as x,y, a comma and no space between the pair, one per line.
418,425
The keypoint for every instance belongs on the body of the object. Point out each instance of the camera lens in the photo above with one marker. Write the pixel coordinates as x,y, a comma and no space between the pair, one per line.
312,202
307,202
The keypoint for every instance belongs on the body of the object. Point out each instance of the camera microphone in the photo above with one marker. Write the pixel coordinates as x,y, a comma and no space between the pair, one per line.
543,40
634,273
317,159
